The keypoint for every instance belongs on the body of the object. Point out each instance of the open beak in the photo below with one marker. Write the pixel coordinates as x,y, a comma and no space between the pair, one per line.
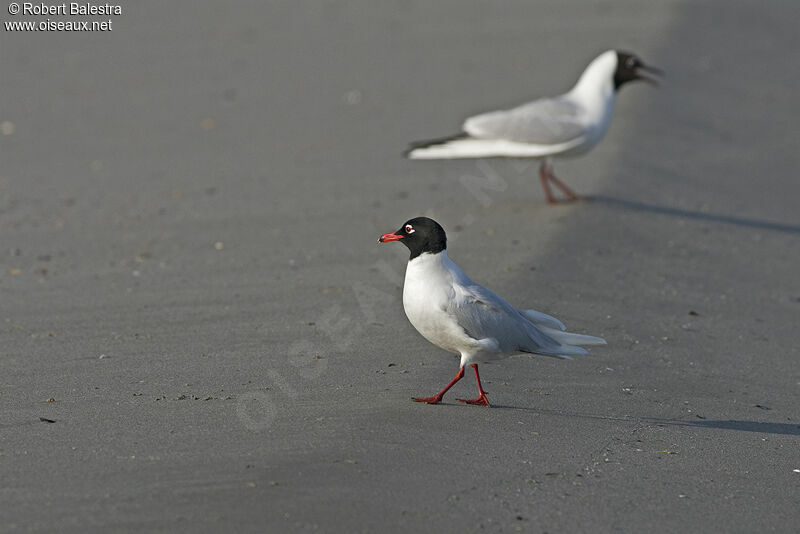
385,238
651,70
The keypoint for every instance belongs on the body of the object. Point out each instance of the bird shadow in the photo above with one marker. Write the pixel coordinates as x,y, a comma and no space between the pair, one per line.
634,205
787,429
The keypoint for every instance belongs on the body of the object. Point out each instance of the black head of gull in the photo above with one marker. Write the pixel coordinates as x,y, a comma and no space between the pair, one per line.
420,235
629,68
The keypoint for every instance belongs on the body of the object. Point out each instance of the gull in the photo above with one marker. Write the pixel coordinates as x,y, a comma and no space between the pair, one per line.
567,125
458,315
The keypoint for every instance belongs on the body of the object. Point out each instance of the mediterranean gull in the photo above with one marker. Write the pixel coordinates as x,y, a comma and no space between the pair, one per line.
458,315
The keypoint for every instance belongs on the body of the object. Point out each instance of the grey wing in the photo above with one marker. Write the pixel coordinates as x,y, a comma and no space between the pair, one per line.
542,319
546,121
484,314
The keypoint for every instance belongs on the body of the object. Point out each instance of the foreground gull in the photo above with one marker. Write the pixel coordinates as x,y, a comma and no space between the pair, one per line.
566,125
454,313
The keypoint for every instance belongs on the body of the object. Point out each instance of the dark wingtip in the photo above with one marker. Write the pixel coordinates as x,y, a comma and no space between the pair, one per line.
414,145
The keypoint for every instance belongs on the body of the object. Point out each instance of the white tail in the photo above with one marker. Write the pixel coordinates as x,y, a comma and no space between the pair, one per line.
542,319
468,147
568,338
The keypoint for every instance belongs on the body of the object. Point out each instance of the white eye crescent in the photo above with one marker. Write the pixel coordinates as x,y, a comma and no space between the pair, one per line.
409,229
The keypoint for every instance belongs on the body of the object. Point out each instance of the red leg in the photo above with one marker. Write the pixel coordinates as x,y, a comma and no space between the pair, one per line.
546,174
481,400
567,191
436,399
543,177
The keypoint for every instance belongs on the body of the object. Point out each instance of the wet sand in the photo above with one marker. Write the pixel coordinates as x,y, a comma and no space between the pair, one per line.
188,212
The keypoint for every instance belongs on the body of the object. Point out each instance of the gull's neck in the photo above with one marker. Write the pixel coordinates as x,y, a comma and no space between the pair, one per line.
428,260
595,87
433,269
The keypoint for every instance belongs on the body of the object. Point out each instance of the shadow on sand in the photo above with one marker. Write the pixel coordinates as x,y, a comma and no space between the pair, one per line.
633,205
787,429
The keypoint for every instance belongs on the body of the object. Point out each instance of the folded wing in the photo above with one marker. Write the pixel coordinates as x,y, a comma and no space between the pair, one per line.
546,121
485,315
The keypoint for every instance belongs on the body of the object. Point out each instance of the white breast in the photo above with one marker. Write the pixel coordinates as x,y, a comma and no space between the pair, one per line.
427,293
594,93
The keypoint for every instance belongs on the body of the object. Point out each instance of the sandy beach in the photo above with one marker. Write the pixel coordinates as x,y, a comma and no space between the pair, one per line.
199,332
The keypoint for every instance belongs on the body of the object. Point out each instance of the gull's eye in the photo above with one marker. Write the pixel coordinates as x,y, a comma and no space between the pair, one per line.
631,63
409,229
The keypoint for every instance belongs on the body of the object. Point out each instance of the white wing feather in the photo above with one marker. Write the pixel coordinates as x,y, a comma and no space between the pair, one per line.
484,314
